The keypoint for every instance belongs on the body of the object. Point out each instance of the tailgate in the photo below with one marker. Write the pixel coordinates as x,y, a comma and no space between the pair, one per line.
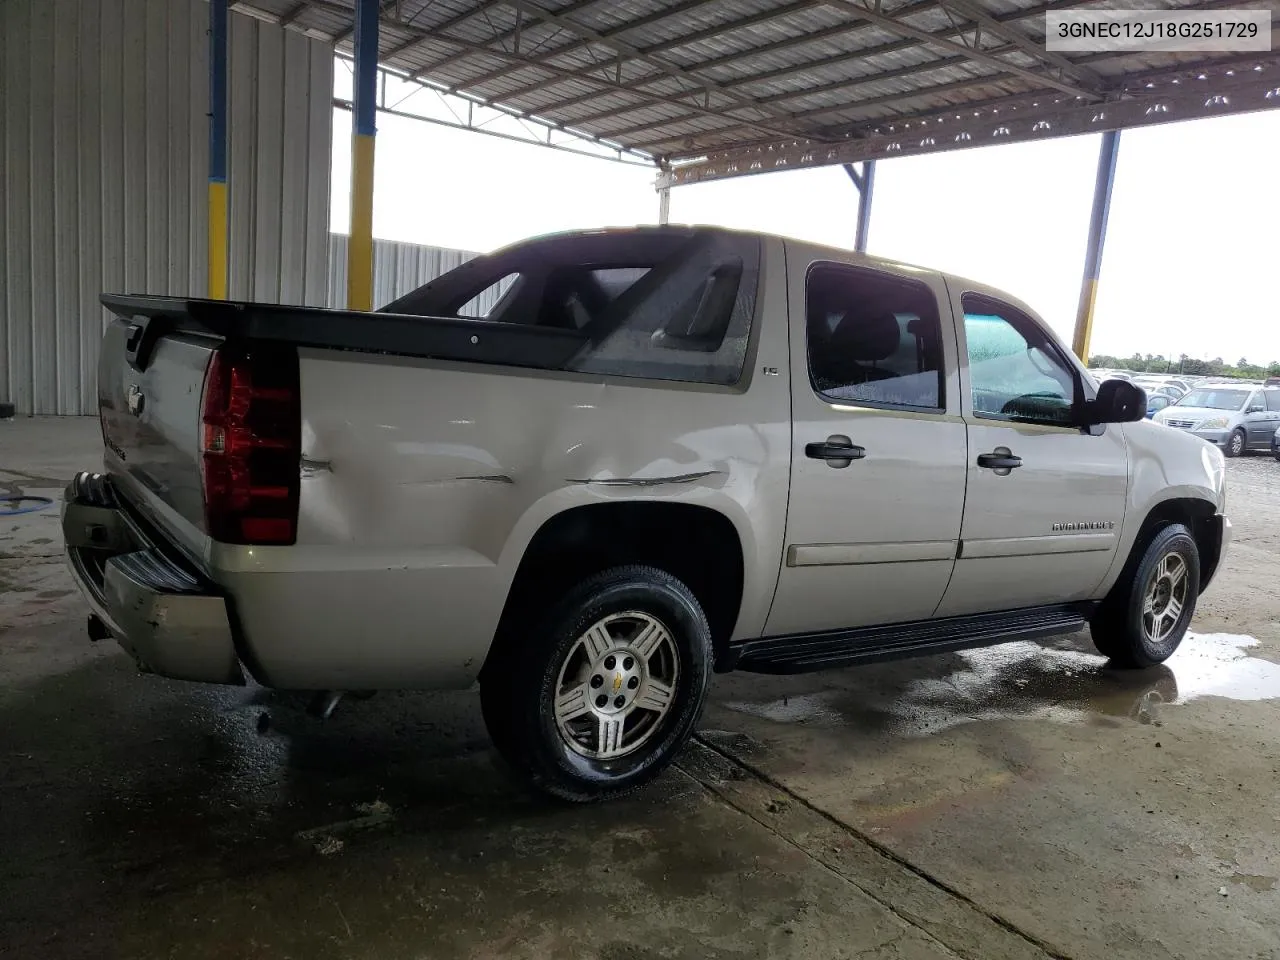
149,396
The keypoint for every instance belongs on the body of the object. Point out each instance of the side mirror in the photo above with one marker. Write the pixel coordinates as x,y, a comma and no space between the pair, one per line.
1118,401
1257,408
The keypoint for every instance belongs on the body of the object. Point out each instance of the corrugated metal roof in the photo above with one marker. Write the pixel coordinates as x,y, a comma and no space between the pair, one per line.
703,86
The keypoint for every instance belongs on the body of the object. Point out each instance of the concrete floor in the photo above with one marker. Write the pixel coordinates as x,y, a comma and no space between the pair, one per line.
1017,802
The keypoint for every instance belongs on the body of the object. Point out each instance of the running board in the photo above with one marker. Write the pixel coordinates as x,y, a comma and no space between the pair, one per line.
800,653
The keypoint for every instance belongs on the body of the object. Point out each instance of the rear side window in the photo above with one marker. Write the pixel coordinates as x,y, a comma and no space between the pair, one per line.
664,305
873,338
1273,400
489,301
688,318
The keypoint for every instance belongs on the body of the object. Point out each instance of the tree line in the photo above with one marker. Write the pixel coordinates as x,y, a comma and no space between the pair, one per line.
1157,363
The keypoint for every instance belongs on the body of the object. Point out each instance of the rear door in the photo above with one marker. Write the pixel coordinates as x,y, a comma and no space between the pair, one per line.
878,448
1045,499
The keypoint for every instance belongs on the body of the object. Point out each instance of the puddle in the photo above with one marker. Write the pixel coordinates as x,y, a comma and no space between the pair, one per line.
1028,681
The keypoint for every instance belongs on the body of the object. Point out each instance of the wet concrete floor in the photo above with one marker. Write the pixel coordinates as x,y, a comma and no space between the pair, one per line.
1022,801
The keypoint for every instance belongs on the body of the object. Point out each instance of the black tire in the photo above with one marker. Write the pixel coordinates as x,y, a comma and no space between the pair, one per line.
1236,444
1119,626
521,681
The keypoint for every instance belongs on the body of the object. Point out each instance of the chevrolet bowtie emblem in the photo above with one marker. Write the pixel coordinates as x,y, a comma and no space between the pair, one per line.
617,682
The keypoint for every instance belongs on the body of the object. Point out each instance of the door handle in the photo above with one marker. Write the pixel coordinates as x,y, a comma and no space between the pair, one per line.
999,461
838,451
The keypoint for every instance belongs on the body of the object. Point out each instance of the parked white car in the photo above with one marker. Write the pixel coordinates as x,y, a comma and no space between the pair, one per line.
664,451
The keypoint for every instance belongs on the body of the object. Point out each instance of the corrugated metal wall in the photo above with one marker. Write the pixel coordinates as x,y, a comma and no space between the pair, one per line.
104,150
397,268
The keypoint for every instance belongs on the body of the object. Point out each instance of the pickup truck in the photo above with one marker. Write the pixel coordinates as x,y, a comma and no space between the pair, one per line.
591,469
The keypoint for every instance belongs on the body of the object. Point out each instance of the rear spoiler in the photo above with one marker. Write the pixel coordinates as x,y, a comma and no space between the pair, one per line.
409,335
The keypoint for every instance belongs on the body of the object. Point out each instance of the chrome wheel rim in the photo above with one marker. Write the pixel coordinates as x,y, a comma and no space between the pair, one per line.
616,684
1166,598
1237,443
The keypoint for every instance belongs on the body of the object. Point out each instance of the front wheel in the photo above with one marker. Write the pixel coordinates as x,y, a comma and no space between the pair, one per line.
1143,620
599,695
1235,443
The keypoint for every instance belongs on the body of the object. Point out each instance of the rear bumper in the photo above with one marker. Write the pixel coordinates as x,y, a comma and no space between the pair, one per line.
170,619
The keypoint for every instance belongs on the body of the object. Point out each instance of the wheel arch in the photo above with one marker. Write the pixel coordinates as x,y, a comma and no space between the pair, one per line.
1197,514
674,536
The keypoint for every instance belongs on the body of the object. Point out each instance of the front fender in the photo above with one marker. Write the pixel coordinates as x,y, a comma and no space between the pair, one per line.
1165,466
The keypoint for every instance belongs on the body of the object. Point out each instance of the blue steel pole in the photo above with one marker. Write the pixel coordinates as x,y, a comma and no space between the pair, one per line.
217,149
360,245
865,192
1107,154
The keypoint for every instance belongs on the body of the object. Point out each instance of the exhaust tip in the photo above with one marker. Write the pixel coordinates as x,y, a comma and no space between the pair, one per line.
97,629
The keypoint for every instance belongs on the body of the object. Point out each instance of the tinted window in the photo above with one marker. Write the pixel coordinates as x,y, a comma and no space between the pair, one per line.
873,338
486,303
671,304
1157,402
1015,370
1273,400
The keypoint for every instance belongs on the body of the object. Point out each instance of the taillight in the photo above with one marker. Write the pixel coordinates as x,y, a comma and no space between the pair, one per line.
251,445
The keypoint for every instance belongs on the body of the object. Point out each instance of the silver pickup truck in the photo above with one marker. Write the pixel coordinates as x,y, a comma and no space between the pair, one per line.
590,469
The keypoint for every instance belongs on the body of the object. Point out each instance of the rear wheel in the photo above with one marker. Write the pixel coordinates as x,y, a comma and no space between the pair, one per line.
1143,620
602,692
1235,443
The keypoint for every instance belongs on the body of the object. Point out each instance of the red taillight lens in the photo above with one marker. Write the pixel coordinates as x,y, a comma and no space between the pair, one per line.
251,444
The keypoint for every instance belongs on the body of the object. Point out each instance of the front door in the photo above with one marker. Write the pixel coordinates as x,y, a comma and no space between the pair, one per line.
1045,499
1262,416
878,449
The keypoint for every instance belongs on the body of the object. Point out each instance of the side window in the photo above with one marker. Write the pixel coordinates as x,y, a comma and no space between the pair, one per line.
873,338
1273,400
688,318
1015,370
573,297
489,303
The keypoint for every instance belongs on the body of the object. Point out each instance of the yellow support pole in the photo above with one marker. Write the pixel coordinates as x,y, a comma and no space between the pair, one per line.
218,149
217,240
360,245
1097,236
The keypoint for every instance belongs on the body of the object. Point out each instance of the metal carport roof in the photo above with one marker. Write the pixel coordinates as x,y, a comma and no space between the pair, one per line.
717,88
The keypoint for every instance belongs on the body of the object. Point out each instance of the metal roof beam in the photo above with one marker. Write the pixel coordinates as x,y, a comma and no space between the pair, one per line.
840,30
1188,102
851,27
655,99
297,11
882,49
1024,43
1029,13
882,100
624,28
907,30
342,36
673,70
434,32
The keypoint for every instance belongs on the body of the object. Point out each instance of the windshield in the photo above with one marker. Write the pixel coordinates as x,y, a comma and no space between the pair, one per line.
1215,399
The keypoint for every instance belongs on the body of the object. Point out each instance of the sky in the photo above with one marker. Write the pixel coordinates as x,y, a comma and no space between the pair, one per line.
1190,263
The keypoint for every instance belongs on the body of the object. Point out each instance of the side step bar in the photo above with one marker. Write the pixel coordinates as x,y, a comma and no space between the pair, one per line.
800,653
